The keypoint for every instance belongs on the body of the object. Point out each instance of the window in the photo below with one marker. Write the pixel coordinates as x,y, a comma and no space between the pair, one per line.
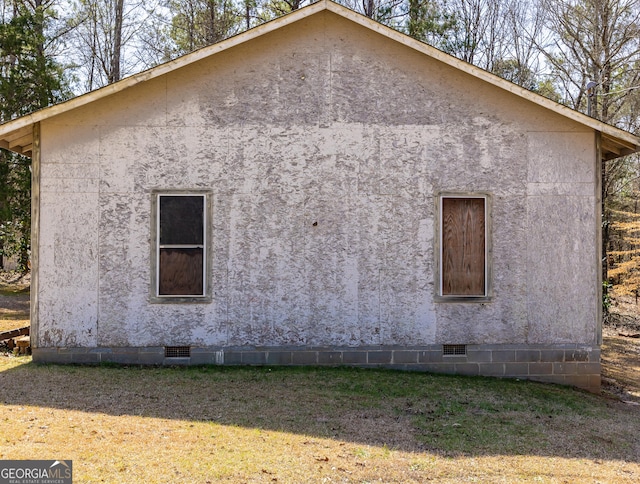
463,246
180,245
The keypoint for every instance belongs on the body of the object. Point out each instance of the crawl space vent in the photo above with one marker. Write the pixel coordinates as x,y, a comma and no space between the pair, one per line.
177,351
454,350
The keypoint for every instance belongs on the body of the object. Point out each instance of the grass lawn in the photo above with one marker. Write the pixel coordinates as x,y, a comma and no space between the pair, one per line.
14,301
213,424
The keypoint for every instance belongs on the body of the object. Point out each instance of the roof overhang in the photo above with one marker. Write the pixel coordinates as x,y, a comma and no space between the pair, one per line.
17,135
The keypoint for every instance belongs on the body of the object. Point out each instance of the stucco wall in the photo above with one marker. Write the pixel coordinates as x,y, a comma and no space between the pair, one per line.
324,147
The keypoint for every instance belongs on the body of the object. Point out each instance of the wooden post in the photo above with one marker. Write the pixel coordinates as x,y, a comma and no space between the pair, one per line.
35,233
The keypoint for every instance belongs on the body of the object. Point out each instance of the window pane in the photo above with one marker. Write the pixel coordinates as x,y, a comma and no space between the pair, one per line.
463,246
180,272
181,220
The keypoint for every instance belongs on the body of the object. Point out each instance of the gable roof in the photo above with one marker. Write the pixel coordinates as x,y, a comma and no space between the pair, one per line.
17,135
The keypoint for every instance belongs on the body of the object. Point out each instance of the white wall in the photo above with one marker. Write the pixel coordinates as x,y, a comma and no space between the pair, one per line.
324,146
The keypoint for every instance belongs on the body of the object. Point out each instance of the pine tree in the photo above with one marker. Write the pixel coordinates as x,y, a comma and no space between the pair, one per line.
198,23
29,80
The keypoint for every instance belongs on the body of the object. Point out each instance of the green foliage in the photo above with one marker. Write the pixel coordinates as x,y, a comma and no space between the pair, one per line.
29,80
427,22
198,23
512,70
15,207
276,8
546,88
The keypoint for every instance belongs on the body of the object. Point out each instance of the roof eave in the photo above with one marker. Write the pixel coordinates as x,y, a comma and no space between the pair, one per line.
14,134
7,130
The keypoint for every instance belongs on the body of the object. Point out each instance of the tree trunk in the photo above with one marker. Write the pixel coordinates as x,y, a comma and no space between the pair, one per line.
114,74
211,30
369,8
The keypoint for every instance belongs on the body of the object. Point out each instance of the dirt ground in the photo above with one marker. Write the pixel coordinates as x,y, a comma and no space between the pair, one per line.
14,300
620,349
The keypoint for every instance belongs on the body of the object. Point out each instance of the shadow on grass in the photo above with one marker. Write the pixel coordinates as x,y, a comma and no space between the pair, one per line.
449,415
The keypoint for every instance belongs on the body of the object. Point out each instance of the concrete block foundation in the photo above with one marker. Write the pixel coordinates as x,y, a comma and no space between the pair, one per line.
575,365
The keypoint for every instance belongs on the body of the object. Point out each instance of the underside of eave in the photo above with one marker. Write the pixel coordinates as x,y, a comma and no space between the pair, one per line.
19,140
615,148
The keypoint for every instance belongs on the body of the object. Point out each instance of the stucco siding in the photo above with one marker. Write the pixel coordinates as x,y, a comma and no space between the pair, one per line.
68,309
68,262
562,257
324,148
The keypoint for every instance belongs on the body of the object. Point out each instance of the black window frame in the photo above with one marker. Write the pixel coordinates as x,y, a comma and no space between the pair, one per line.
158,248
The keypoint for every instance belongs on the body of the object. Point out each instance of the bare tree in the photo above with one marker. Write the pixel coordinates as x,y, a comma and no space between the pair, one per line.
515,55
598,41
498,35
388,12
478,31
104,39
596,61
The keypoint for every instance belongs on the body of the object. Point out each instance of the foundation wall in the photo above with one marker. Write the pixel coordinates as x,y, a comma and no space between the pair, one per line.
575,365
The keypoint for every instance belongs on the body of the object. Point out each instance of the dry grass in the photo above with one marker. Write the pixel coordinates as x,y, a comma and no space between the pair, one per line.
9,321
620,352
166,425
14,301
142,425
621,366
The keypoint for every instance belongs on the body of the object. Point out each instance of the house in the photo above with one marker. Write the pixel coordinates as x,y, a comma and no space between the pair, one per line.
319,190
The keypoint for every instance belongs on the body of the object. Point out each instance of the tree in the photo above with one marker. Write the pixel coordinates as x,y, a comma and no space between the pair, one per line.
598,41
595,57
97,40
512,70
519,59
277,8
198,23
478,27
106,40
427,22
388,12
29,80
624,253
249,12
114,71
501,36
